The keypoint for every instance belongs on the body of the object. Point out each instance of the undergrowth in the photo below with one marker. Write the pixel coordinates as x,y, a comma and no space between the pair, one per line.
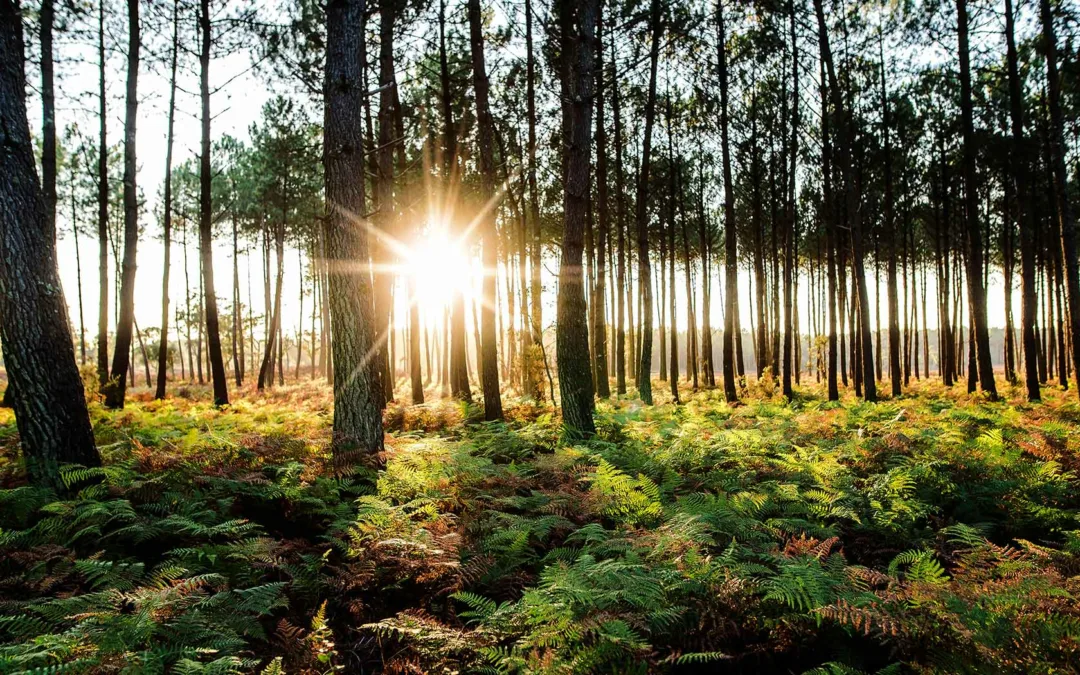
930,533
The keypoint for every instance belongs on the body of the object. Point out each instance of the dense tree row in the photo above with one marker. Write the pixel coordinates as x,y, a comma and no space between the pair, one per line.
809,167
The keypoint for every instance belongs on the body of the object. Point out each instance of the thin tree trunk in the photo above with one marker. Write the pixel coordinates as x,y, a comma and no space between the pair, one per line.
599,335
976,289
166,207
485,137
730,240
115,392
103,211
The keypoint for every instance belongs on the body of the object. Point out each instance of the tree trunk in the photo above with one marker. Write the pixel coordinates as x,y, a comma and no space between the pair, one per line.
577,26
731,261
117,387
103,211
599,334
50,408
976,289
890,227
488,246
166,208
357,398
384,198
206,232
641,215
1020,163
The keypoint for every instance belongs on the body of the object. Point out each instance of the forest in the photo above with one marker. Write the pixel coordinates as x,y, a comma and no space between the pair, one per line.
539,336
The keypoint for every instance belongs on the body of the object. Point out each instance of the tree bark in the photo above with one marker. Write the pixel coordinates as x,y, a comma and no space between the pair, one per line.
578,25
357,398
50,407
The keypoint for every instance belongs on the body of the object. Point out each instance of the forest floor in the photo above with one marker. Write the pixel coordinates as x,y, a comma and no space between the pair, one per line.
936,532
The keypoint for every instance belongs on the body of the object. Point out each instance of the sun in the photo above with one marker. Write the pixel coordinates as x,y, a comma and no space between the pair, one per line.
441,267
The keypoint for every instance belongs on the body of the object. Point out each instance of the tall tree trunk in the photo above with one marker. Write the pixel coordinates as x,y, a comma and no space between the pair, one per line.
50,408
890,227
621,281
1065,217
599,327
114,393
357,397
458,357
577,26
731,260
384,196
791,262
641,214
166,207
489,254
976,289
206,231
1020,162
103,210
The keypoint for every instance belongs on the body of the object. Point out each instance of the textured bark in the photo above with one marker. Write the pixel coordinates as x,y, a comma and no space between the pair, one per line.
976,289
578,26
641,214
50,409
731,260
1065,216
117,385
486,141
166,208
357,398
